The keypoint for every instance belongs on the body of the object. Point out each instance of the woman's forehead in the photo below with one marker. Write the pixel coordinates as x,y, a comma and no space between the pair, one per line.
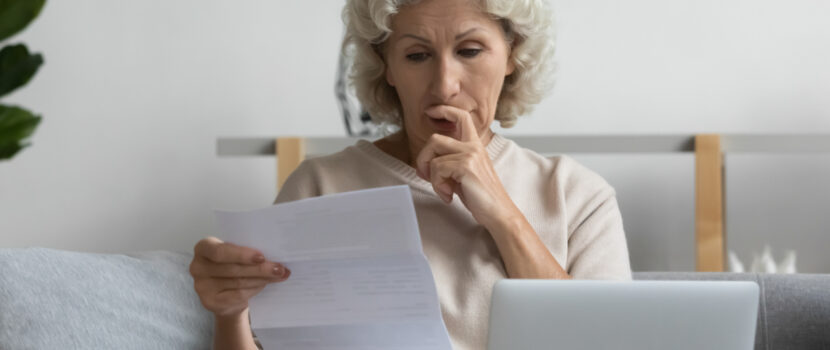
457,32
428,20
439,11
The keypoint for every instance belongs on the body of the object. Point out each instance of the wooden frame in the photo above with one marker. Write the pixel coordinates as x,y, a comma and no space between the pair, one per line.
709,224
290,152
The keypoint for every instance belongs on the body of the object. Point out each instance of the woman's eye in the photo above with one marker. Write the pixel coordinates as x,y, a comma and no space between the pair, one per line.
417,57
469,52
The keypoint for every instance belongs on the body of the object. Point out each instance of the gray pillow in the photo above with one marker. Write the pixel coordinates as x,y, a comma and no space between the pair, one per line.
54,299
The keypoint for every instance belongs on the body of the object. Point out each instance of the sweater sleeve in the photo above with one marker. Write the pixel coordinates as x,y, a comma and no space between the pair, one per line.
597,247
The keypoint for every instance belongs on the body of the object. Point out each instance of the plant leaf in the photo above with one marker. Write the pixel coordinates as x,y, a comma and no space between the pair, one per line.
16,124
17,67
17,14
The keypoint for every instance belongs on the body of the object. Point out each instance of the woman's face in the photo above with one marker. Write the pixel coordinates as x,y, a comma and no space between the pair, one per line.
446,52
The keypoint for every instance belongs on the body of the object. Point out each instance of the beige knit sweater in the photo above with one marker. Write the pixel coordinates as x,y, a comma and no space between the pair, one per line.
573,210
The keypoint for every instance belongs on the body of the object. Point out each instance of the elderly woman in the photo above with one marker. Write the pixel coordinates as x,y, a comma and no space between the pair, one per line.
444,70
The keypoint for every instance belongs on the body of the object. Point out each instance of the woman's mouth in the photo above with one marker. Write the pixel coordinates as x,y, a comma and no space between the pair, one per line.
442,124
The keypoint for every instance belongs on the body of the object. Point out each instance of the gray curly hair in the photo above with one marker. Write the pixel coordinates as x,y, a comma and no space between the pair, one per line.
528,25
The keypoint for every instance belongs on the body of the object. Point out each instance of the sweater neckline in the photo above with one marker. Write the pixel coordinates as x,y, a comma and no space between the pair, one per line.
494,149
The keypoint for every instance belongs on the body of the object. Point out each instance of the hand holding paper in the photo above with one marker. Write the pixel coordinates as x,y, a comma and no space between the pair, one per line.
225,275
359,278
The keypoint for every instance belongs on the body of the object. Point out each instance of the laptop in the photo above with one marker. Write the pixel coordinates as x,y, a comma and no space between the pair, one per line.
553,314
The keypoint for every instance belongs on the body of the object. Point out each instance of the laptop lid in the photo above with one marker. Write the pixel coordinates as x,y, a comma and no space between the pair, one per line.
552,314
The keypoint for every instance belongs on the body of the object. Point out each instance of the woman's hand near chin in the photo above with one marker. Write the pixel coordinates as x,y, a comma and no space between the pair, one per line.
463,166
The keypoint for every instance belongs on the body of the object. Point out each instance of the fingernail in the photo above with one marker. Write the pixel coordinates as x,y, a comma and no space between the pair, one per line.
277,271
259,258
443,196
445,189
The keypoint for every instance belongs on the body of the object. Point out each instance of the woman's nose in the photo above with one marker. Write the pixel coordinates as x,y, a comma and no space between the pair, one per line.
446,80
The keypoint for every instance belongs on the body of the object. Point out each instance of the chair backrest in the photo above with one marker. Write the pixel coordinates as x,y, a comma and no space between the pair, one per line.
708,149
291,151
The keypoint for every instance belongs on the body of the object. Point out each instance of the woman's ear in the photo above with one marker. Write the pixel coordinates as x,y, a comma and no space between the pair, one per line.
385,62
510,66
389,79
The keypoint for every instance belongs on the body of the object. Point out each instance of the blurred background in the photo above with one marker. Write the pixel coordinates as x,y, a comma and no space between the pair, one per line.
134,95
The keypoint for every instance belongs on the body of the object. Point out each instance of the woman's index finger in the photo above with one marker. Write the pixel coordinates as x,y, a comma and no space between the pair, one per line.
468,128
232,253
461,117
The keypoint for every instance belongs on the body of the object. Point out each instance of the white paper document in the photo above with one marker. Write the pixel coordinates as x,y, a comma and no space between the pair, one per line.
359,278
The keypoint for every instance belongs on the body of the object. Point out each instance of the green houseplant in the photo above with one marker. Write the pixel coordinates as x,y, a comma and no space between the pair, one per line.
17,67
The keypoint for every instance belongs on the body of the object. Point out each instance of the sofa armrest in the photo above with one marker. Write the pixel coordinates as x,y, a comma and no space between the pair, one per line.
54,299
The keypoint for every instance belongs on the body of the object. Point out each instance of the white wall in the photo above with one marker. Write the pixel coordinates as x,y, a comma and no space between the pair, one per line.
134,95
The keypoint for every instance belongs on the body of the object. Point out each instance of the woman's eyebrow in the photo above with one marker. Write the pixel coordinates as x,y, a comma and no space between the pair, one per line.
413,36
457,37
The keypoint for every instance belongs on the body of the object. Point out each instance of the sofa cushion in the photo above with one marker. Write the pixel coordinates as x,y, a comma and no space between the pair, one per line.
793,310
54,299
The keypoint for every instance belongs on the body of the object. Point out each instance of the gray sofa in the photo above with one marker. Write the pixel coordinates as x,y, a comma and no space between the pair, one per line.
53,299
793,310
